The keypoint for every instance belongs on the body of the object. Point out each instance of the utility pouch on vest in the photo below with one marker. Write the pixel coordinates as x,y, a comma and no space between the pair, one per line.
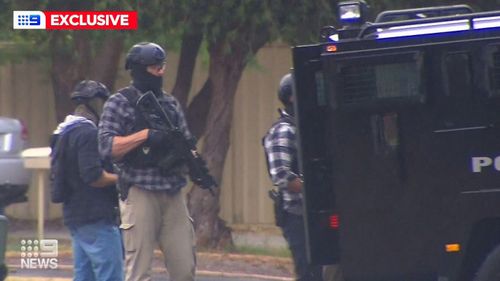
279,212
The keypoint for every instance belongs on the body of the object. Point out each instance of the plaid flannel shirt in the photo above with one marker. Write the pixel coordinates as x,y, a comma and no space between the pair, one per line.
118,119
280,145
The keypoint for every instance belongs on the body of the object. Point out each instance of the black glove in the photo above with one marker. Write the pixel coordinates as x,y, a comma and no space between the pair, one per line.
157,138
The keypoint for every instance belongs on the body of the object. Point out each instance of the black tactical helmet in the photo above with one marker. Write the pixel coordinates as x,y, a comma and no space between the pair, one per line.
88,89
285,89
145,53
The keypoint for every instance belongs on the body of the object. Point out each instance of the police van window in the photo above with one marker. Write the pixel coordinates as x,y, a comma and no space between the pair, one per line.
373,80
457,68
397,80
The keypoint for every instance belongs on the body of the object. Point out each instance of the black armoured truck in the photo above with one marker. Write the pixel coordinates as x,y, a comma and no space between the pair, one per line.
399,136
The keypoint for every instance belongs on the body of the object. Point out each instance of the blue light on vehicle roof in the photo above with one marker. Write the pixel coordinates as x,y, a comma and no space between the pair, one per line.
422,29
488,22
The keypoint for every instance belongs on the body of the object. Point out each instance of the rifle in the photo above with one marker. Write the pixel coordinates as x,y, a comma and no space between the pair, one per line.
183,148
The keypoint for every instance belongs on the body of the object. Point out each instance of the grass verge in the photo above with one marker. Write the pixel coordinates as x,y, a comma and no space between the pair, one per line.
261,251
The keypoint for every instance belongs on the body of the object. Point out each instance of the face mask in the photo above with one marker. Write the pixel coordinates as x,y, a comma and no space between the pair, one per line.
96,104
145,81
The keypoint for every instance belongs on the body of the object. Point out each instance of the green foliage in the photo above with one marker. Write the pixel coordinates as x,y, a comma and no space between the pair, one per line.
299,22
18,50
166,21
292,21
235,25
18,45
263,251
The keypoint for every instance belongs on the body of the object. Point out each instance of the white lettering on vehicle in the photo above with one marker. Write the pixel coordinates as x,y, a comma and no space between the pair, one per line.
479,163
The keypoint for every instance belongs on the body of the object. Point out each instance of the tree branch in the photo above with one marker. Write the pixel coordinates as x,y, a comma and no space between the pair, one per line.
191,41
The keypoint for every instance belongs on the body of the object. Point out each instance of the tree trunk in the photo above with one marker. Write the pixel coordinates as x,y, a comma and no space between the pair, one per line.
72,61
107,61
225,73
191,41
198,110
227,62
64,75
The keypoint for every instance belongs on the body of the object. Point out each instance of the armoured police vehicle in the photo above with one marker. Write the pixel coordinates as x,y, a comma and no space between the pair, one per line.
399,135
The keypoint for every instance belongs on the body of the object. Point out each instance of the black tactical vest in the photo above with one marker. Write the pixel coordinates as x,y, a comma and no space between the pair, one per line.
143,156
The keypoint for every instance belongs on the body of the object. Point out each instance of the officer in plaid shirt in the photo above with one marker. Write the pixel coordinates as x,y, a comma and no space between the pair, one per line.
280,145
119,117
153,210
281,148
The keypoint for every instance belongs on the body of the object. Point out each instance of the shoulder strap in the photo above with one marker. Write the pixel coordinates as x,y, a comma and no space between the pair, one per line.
131,95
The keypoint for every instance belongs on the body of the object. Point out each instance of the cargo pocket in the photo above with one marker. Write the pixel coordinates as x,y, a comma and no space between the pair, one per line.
127,225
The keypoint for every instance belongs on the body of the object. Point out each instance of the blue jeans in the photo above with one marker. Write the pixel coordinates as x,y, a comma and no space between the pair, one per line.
294,232
97,252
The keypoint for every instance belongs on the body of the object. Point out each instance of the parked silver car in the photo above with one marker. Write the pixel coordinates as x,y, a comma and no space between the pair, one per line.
14,178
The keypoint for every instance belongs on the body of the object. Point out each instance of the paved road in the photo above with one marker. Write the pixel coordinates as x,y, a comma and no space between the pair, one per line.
66,275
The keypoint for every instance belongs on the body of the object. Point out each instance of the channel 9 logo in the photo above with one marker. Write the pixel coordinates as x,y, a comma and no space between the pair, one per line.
39,254
28,20
75,20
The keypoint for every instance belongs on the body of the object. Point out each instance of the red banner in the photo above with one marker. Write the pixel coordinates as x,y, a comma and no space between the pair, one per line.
112,20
